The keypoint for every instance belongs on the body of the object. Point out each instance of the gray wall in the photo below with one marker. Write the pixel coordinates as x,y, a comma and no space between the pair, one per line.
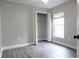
70,23
17,23
42,26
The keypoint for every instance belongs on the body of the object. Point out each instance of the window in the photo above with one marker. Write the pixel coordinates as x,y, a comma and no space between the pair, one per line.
58,25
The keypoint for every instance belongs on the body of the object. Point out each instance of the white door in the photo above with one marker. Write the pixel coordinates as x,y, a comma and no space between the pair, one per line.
0,35
77,28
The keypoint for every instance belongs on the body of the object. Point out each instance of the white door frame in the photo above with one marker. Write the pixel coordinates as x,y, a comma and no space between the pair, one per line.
48,27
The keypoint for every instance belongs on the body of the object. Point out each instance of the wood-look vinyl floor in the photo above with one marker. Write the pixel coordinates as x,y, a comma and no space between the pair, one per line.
42,50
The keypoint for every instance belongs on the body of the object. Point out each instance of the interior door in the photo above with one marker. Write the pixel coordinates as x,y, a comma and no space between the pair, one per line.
0,41
78,28
0,35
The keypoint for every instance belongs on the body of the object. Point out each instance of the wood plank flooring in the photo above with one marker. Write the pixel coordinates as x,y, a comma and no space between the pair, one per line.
42,50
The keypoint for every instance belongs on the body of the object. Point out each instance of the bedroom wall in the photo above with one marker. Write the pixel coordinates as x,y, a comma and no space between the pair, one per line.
70,23
17,23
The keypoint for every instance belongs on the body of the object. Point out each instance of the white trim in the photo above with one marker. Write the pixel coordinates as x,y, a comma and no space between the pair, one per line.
70,46
1,53
49,27
16,46
42,12
36,28
48,14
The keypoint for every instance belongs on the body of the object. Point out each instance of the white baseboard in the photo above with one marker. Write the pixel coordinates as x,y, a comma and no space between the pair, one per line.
16,46
1,53
70,46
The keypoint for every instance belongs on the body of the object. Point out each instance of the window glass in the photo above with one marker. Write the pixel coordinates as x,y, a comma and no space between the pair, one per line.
58,23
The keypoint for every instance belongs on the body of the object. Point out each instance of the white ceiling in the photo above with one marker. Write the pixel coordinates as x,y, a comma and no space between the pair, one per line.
39,3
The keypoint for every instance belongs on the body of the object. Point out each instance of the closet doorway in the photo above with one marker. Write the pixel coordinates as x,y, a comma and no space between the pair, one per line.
43,22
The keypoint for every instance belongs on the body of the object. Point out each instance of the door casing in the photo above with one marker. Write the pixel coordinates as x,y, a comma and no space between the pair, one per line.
48,26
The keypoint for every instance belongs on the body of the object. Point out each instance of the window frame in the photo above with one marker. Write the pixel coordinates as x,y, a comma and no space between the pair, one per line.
60,24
